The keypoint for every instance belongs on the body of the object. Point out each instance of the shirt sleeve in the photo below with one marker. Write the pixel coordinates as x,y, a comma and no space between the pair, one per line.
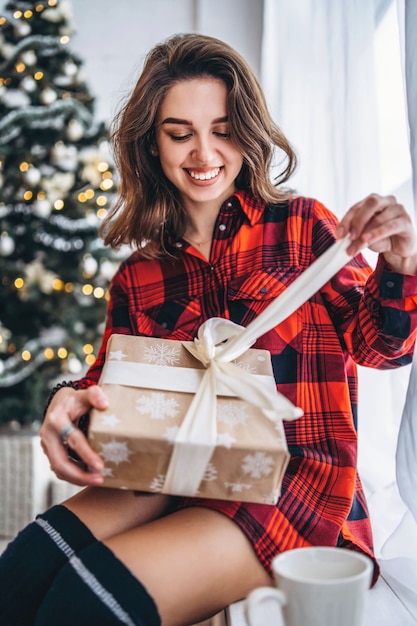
373,310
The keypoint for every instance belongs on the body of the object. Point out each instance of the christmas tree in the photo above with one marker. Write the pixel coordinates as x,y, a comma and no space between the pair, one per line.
56,184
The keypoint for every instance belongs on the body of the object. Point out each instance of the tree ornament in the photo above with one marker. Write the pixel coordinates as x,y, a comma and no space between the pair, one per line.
29,58
7,244
48,95
32,176
42,208
64,156
70,68
107,269
89,265
8,50
22,29
75,130
74,365
29,84
37,275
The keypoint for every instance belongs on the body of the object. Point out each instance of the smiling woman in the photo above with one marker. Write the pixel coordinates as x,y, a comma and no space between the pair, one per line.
194,145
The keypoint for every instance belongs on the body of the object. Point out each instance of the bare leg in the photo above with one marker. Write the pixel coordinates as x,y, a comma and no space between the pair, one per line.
107,512
193,562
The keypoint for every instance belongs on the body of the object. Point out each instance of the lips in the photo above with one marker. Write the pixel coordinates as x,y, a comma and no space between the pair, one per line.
207,175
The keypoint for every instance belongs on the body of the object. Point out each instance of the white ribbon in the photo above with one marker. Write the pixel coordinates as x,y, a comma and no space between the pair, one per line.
219,342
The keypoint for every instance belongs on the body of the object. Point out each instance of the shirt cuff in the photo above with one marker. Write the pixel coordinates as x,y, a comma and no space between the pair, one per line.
393,285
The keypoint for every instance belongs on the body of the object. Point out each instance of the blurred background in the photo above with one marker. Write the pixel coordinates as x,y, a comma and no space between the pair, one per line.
334,74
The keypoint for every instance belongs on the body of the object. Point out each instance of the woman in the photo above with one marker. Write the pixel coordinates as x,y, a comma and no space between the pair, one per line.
215,237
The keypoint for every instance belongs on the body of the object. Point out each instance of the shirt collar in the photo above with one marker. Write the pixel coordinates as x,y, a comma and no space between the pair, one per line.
252,207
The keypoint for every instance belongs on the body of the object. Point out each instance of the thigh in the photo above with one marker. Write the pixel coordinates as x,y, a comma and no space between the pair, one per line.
107,512
193,562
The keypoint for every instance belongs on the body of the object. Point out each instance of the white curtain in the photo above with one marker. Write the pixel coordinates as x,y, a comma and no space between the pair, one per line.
399,552
318,73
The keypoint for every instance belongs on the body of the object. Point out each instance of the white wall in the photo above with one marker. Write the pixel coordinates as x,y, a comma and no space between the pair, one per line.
112,37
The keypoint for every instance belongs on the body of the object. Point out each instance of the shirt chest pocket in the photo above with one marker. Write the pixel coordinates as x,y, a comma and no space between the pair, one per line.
251,294
174,319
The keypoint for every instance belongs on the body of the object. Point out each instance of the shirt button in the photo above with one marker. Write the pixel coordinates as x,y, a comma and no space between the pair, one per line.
164,325
179,244
263,290
390,284
229,205
222,227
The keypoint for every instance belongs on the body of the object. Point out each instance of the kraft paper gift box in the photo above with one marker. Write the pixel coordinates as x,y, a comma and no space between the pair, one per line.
150,384
203,418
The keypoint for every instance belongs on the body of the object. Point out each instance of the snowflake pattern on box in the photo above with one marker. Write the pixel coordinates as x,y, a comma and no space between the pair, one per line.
116,452
157,483
258,464
210,472
110,420
157,405
246,367
237,487
117,355
171,433
225,439
232,412
162,354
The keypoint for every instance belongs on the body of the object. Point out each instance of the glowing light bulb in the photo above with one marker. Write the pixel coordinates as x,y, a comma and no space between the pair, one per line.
57,284
26,355
98,292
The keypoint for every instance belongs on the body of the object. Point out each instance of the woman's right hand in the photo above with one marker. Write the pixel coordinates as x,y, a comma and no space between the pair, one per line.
65,409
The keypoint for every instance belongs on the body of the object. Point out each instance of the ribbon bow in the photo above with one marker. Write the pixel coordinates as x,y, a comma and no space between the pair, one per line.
219,342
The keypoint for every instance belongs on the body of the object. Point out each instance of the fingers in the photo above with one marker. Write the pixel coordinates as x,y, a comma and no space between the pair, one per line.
380,223
59,433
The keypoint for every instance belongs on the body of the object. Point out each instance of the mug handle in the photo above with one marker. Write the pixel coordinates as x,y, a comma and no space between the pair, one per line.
263,606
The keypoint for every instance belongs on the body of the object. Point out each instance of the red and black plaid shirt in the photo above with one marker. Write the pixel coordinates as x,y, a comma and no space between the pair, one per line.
363,316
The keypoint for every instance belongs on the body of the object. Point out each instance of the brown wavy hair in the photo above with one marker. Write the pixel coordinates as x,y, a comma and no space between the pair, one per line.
148,210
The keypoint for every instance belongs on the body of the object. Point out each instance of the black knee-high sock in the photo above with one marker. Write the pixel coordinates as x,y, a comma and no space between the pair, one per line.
31,561
94,587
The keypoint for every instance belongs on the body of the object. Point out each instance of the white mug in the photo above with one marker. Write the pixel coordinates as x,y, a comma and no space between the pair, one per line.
315,586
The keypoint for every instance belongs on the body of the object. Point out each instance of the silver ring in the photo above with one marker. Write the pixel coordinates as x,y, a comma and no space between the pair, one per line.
65,432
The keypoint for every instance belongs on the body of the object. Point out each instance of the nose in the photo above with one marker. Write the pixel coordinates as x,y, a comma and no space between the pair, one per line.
203,150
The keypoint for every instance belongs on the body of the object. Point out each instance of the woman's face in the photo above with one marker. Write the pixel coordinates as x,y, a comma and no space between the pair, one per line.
193,143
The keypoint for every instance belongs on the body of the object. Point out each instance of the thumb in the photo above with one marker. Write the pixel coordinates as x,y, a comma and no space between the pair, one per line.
97,398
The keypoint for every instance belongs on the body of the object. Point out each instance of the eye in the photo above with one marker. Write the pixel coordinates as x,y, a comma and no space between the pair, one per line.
180,137
223,135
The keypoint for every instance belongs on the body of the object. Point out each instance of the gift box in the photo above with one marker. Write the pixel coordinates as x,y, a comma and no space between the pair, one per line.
150,384
202,418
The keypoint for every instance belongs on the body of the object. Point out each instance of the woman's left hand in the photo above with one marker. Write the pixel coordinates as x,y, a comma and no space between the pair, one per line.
382,224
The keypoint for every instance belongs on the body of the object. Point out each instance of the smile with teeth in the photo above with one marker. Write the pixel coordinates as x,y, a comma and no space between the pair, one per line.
204,175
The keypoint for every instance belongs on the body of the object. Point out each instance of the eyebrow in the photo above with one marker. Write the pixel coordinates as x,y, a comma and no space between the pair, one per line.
175,120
